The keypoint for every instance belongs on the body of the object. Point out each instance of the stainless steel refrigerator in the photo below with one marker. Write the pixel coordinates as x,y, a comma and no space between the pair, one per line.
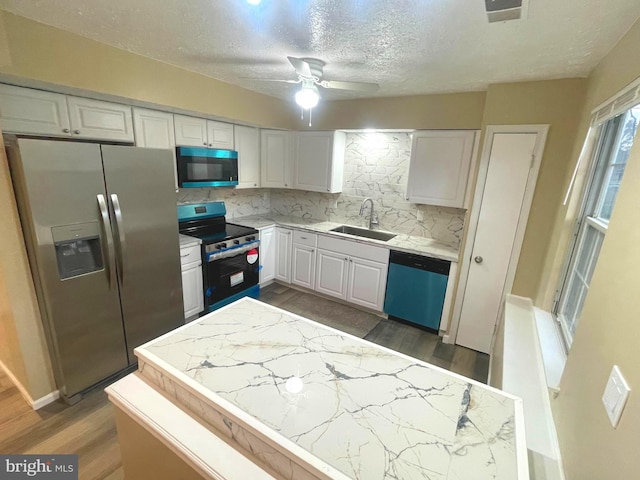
102,237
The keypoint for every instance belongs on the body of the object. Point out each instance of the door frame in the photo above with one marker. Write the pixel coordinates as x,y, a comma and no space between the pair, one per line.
465,259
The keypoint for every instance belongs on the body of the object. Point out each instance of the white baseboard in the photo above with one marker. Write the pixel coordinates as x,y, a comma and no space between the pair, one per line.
35,404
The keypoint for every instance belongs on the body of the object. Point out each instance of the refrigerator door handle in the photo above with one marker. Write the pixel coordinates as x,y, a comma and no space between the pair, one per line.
106,231
120,235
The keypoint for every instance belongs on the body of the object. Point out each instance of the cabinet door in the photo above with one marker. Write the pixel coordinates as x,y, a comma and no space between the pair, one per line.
23,110
439,167
275,158
332,273
192,294
220,135
154,129
100,120
283,255
247,143
303,265
367,283
319,161
190,131
267,255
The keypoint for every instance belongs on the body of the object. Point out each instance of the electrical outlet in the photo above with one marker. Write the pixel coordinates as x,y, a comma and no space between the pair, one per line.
615,395
334,202
420,215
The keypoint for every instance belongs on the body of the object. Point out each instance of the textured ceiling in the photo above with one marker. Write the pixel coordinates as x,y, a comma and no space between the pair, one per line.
407,46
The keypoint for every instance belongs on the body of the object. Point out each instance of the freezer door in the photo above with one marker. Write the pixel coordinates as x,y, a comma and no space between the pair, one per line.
62,199
142,198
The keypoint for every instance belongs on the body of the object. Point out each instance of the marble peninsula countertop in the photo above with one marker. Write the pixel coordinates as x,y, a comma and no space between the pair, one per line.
402,242
311,402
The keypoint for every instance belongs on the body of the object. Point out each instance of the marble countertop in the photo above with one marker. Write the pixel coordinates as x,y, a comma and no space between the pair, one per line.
187,241
402,242
312,402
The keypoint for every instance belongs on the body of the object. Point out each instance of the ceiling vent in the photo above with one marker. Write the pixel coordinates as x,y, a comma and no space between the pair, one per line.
505,10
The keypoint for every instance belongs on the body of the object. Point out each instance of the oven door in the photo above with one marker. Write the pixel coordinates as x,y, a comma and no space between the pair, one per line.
231,276
206,167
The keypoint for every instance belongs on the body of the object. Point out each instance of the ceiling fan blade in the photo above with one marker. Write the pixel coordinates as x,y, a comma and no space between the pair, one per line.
300,66
359,86
270,80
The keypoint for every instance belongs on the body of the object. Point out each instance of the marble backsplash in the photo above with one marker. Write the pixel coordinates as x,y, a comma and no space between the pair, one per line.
239,202
376,166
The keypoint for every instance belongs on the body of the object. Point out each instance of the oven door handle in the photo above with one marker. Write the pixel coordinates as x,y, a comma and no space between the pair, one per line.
231,252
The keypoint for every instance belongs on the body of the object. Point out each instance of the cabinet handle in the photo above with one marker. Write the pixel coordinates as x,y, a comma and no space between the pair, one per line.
211,144
313,250
184,256
77,132
303,238
66,130
350,260
255,184
328,190
286,185
346,259
205,144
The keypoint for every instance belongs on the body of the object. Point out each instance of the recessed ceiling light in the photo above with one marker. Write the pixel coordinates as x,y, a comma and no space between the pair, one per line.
254,2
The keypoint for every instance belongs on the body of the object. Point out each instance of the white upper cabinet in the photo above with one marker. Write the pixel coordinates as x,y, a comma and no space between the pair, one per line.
247,143
190,131
24,110
319,161
439,167
199,132
100,120
153,129
219,135
275,158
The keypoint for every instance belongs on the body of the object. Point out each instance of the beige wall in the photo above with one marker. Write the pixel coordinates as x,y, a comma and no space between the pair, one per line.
22,346
558,103
446,111
43,53
609,327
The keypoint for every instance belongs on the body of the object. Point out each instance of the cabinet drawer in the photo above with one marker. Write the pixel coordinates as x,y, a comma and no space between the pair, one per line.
305,238
190,255
353,248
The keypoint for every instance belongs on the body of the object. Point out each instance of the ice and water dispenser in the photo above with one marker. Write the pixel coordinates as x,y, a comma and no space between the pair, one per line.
78,249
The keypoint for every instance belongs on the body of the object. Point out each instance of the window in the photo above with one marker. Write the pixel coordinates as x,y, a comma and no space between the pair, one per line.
613,145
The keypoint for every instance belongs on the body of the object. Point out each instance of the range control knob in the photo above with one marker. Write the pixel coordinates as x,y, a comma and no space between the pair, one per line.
236,242
223,245
250,239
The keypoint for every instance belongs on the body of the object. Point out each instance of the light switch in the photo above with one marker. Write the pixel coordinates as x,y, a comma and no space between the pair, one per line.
615,395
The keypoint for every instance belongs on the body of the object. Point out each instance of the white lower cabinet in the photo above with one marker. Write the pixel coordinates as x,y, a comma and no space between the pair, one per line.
267,255
332,273
367,283
192,289
283,254
303,268
352,271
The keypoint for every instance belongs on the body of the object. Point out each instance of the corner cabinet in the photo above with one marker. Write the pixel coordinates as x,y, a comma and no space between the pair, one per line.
276,158
247,143
319,161
439,167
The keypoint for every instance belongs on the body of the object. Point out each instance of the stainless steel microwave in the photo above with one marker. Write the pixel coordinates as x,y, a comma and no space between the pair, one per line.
206,167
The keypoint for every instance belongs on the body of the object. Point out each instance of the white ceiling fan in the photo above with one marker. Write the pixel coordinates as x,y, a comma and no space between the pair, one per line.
309,71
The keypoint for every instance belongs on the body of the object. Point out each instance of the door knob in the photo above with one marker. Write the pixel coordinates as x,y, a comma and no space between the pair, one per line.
478,259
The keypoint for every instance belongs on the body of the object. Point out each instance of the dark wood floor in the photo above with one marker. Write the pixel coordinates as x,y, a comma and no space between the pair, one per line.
88,428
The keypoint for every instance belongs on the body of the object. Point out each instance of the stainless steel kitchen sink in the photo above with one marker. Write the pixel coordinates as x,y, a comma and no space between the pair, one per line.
363,232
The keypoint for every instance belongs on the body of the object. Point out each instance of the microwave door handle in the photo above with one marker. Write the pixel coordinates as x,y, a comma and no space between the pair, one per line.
105,232
122,241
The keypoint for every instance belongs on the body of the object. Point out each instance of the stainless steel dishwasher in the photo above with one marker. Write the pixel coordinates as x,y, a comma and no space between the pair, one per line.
416,286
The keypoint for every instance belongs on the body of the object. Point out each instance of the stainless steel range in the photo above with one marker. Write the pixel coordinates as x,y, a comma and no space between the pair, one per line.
230,253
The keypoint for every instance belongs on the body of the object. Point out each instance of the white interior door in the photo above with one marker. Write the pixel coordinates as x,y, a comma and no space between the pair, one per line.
496,246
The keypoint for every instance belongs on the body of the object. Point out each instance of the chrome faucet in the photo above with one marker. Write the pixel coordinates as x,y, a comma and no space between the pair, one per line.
373,218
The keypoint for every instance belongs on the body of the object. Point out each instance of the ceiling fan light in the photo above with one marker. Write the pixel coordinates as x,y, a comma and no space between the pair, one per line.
307,97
